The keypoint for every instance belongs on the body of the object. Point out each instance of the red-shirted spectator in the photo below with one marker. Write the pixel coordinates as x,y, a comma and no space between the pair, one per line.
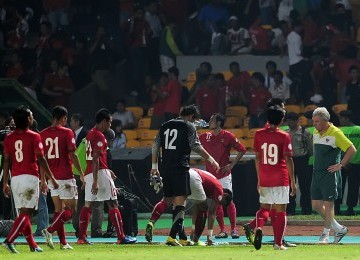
207,98
313,32
238,84
16,69
258,97
159,95
340,41
174,90
174,10
58,87
261,37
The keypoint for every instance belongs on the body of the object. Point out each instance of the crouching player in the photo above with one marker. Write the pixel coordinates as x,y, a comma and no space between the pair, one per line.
207,194
275,172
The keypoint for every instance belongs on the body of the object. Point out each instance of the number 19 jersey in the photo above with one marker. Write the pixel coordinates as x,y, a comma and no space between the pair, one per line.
58,142
272,146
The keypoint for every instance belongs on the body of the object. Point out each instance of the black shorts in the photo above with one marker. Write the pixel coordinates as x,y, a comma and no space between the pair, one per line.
176,182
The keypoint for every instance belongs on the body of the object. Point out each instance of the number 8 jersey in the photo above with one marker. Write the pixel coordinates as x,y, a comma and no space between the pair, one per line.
23,148
177,138
272,146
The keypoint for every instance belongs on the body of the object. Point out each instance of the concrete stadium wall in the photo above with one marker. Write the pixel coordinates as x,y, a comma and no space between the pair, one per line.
187,64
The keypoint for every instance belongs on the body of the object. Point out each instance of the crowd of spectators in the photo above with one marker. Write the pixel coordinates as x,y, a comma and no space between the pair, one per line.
55,48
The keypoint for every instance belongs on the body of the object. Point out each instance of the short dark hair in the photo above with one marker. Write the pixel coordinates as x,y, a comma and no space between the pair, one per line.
259,76
78,118
58,112
275,101
207,64
271,63
220,118
292,116
21,115
102,114
275,114
174,70
219,76
228,198
234,63
115,123
190,110
279,73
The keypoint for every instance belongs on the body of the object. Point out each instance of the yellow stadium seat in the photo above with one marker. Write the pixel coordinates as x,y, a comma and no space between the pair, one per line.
251,132
238,132
190,80
303,121
148,134
251,72
293,108
137,111
238,111
232,122
339,107
245,130
132,143
139,131
144,122
130,134
227,74
150,112
246,122
146,143
248,143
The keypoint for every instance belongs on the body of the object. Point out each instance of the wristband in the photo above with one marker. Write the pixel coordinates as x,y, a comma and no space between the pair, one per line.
210,232
154,166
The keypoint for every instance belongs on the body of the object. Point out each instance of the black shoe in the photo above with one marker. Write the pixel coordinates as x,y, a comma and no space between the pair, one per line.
258,239
350,212
306,211
249,233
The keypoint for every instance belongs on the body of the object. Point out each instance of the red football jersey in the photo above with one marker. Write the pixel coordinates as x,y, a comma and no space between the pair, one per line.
273,146
23,147
260,39
219,147
96,141
211,185
58,142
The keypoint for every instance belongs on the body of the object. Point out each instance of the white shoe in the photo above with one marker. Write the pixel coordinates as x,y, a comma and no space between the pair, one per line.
66,247
324,239
340,234
48,237
277,247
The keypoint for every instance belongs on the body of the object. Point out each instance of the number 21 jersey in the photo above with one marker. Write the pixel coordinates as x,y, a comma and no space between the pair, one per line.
273,146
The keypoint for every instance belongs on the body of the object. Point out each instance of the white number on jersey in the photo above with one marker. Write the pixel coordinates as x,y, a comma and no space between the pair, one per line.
170,137
53,145
270,153
19,156
88,155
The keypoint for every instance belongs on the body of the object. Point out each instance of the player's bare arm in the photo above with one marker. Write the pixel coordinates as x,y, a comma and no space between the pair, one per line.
231,165
290,168
6,167
45,166
211,220
95,168
345,160
154,156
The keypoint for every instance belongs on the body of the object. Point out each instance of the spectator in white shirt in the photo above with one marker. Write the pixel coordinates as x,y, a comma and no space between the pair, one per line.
126,117
280,89
238,37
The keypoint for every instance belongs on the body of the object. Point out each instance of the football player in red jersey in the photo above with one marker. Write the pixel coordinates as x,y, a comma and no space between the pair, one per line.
275,171
99,184
59,150
23,151
203,186
218,144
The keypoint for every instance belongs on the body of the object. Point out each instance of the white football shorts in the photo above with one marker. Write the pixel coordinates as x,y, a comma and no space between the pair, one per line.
274,195
67,189
25,191
106,187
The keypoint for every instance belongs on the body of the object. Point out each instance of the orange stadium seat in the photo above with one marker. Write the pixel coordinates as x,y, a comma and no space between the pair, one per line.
232,122
148,134
132,143
137,111
248,143
190,80
339,107
200,131
130,134
238,132
237,111
146,143
144,123
293,108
